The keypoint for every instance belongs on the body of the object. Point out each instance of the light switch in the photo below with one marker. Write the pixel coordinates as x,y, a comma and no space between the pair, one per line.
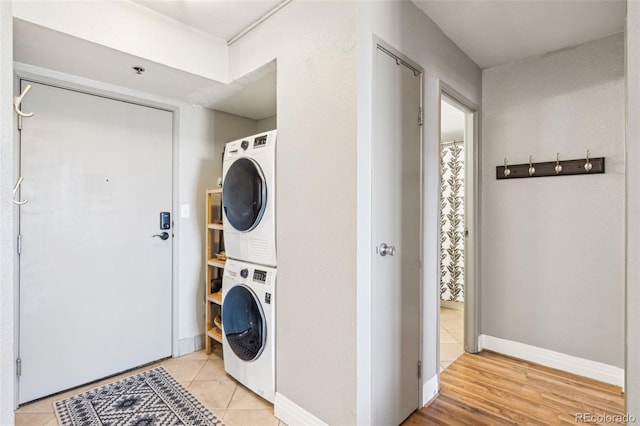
185,211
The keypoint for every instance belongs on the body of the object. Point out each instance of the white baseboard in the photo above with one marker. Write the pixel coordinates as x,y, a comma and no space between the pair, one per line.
190,344
294,415
571,364
430,389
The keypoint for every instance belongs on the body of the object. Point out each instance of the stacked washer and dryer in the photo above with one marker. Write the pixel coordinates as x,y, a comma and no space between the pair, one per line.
249,280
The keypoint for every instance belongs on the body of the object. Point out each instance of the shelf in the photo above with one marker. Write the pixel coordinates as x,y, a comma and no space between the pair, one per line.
216,262
215,334
214,244
215,298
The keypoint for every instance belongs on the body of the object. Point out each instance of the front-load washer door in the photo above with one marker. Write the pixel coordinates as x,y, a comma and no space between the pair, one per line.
244,195
243,323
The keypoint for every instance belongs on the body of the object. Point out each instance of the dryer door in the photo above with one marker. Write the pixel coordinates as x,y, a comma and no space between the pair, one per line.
243,323
244,195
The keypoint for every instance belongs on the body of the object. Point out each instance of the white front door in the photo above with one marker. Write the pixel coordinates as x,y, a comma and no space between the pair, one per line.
95,286
396,212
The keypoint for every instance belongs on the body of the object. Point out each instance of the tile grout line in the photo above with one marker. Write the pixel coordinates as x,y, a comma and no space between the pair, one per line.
201,368
235,389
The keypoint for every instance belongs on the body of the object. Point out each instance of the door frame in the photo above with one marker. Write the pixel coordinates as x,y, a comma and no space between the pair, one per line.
386,48
95,88
472,215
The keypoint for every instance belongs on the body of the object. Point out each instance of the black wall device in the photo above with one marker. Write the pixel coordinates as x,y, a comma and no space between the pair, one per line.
165,220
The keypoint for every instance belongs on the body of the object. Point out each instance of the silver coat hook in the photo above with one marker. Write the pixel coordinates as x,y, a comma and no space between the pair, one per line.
532,169
17,100
507,172
15,189
558,165
588,166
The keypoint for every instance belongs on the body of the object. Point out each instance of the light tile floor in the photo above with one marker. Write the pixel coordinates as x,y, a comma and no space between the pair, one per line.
203,375
451,336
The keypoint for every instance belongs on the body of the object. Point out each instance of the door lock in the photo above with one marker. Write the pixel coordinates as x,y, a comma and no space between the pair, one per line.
383,250
165,220
163,236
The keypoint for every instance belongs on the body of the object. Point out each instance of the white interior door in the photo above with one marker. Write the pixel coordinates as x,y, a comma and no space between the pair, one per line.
396,212
95,287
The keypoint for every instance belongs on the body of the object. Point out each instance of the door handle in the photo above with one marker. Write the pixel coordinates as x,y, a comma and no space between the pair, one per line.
383,250
163,236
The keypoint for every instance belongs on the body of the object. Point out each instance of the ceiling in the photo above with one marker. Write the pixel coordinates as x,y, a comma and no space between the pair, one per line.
252,96
495,32
490,32
221,18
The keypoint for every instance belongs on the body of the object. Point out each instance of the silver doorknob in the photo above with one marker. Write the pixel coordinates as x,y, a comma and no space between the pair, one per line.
384,249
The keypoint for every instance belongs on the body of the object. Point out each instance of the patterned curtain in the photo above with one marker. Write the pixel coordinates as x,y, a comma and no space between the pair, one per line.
452,222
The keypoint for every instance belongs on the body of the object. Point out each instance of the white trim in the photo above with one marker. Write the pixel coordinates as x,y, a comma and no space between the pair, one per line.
294,415
430,389
472,195
258,22
568,363
190,344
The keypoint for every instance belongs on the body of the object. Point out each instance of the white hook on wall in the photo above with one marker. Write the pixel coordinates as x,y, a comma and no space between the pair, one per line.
17,100
15,189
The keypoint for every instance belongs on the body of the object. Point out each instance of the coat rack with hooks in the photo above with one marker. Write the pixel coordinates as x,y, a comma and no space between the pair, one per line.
583,166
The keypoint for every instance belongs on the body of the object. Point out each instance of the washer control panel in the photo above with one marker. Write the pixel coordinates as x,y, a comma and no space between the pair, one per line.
260,276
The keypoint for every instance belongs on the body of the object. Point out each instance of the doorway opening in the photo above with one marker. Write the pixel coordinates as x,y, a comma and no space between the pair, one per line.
456,145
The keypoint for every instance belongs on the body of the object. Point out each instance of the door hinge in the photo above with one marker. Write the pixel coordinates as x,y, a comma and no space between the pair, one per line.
420,116
19,244
419,369
466,232
19,367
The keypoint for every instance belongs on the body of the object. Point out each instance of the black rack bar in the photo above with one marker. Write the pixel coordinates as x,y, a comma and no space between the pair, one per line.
569,167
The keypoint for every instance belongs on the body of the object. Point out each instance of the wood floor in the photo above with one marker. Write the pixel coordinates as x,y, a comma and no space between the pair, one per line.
492,389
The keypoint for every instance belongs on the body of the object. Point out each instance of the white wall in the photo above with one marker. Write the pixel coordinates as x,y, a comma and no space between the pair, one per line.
314,44
632,388
131,28
553,248
7,246
409,30
202,135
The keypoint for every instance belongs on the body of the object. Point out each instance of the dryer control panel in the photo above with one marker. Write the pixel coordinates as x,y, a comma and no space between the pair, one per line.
260,276
246,146
260,141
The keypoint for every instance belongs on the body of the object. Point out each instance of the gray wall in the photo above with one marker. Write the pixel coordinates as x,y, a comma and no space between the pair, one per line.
202,135
265,124
553,248
7,360
633,209
314,45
